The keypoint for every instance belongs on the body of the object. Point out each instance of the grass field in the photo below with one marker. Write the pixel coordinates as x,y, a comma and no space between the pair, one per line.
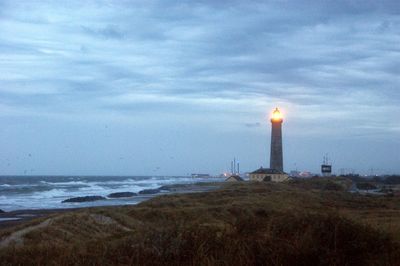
307,222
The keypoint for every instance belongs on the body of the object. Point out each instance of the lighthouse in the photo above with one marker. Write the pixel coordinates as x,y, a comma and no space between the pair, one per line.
275,172
276,158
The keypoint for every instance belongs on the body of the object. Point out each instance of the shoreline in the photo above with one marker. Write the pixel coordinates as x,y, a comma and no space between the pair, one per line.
17,217
22,216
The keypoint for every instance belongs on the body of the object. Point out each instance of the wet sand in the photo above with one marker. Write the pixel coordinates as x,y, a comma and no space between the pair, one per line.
12,218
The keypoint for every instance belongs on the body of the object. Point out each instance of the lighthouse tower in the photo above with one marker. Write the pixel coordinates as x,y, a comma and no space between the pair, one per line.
276,159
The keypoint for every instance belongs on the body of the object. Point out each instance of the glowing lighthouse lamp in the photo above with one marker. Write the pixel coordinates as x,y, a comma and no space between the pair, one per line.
276,116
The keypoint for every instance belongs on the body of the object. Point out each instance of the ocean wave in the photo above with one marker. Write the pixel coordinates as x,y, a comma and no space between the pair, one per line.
64,183
23,189
53,193
20,185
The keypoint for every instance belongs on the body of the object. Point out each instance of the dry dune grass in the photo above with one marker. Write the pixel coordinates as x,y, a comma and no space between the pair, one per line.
310,222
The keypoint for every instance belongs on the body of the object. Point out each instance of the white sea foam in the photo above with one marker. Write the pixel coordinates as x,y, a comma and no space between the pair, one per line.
53,193
9,219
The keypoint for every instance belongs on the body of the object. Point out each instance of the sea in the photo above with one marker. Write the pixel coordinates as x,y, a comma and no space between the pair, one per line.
48,192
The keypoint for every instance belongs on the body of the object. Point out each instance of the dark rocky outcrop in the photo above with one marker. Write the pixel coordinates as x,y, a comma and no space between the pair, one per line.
1,211
149,191
84,199
175,187
122,195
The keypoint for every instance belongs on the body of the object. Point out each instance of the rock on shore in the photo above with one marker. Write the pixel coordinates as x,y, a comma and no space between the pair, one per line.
149,191
122,195
1,211
84,199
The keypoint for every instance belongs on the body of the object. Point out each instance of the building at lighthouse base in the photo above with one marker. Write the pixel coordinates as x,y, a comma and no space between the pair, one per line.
268,174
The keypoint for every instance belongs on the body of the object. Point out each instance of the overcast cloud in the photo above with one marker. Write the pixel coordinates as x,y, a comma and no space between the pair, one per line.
174,87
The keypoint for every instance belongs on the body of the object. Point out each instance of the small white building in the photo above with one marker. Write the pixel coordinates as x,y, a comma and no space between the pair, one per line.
268,174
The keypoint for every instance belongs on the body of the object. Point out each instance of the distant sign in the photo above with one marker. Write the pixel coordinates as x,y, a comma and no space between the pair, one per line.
326,169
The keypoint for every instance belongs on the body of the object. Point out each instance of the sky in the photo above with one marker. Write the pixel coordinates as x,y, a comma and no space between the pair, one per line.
179,87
